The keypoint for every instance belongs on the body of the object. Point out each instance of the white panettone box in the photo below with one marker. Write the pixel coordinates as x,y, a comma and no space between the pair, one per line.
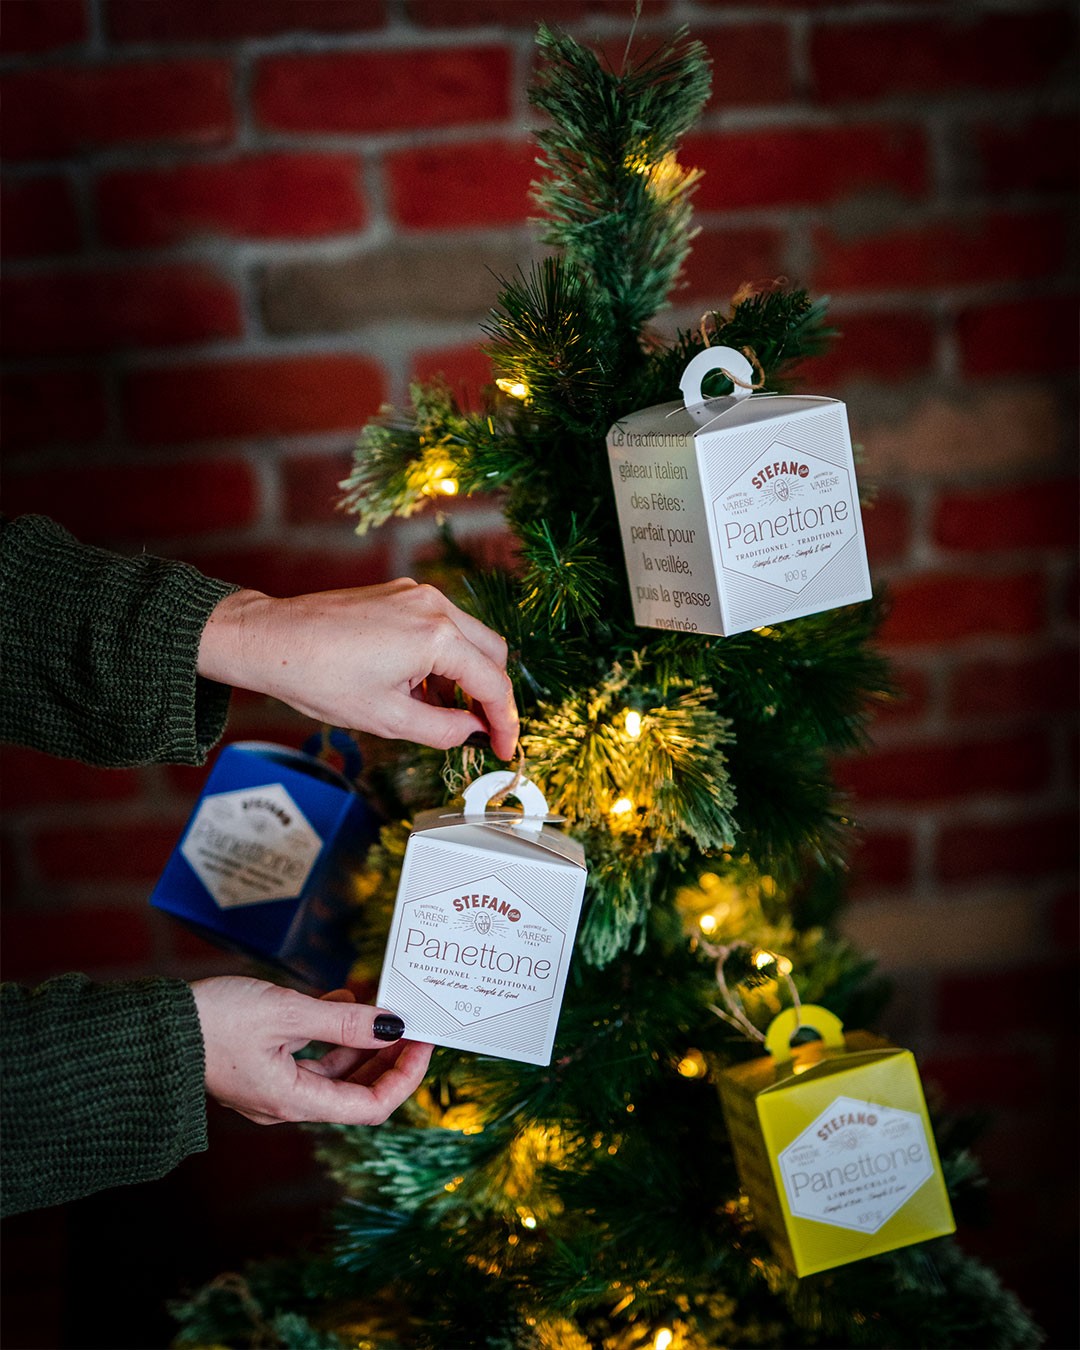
737,512
484,925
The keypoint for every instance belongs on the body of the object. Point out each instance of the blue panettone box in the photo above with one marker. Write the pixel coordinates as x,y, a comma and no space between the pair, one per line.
264,865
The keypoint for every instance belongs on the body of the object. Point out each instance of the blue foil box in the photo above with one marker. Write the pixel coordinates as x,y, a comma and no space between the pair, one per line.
265,862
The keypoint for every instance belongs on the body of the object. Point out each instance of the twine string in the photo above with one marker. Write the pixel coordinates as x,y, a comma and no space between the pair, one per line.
519,774
748,352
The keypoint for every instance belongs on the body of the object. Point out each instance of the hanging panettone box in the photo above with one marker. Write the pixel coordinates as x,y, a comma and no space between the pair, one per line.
266,862
737,512
484,924
833,1145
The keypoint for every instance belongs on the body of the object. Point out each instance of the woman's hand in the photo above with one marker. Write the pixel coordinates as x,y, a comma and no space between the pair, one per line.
383,659
252,1029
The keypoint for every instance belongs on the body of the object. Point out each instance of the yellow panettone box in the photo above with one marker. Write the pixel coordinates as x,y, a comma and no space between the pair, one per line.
834,1146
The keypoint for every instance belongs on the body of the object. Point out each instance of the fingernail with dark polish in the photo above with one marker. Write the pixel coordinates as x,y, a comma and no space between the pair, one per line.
388,1027
479,740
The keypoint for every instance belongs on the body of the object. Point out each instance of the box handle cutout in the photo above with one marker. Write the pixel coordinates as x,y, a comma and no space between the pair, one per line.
731,363
783,1027
533,802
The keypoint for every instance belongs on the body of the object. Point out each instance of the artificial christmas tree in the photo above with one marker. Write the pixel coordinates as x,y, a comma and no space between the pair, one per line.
593,1202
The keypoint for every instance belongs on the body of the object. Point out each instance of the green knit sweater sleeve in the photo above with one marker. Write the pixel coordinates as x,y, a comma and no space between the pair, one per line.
100,650
102,1085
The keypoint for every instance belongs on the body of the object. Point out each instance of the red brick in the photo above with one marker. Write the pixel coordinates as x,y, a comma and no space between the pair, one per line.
937,607
105,852
51,407
226,20
257,397
492,550
1065,921
114,502
1040,155
383,90
1033,336
466,369
35,26
936,771
64,111
289,570
39,217
988,1078
722,260
41,944
861,60
451,186
1013,848
72,311
520,14
882,858
887,525
890,347
311,488
33,779
1002,688
797,166
1029,515
271,196
912,698
944,253
751,64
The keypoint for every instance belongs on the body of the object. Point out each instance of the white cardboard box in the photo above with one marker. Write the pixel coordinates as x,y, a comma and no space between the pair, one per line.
484,925
737,512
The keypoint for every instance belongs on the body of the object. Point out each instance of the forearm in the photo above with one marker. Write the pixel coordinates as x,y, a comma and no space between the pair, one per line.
102,1085
100,651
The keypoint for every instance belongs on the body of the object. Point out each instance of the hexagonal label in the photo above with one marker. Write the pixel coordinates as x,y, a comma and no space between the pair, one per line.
478,951
785,517
856,1164
251,845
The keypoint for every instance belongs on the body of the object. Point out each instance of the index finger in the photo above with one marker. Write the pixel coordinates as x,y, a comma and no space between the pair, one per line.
487,684
480,635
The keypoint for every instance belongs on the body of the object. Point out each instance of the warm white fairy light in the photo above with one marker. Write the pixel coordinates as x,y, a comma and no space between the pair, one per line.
708,923
622,807
633,723
515,388
664,1337
762,959
447,486
692,1065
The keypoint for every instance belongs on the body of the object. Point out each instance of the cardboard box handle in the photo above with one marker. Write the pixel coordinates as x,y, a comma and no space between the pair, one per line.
481,790
729,362
783,1027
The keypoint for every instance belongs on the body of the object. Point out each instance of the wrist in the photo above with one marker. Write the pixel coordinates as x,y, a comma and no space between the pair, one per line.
232,640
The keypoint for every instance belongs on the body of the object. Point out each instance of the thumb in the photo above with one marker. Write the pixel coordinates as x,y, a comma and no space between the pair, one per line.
346,1023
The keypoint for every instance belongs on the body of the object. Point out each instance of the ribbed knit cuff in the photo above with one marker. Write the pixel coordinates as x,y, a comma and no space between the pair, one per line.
100,651
103,1085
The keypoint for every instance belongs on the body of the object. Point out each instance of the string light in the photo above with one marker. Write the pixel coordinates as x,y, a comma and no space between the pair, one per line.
515,388
633,723
708,923
440,481
763,959
664,1337
692,1065
622,807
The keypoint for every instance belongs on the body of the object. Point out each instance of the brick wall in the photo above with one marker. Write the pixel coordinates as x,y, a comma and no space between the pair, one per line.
232,228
